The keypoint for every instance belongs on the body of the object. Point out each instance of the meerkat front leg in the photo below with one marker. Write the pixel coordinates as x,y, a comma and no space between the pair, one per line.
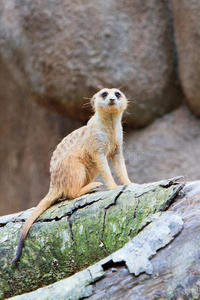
104,168
120,167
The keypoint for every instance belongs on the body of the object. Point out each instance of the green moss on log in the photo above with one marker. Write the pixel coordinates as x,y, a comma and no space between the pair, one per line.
72,235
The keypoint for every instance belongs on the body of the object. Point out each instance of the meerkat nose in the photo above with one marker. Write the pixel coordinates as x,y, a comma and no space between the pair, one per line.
112,101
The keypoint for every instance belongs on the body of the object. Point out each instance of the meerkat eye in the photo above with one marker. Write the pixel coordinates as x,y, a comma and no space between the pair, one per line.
118,95
104,94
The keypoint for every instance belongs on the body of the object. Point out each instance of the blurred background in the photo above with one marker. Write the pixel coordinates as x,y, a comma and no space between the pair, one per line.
56,53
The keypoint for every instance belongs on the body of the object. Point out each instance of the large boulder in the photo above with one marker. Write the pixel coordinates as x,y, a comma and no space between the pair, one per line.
167,148
60,51
29,134
186,15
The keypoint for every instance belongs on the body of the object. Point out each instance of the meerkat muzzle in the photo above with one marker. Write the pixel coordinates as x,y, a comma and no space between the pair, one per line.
112,102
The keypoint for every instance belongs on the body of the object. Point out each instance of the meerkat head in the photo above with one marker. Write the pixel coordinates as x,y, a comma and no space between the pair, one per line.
112,101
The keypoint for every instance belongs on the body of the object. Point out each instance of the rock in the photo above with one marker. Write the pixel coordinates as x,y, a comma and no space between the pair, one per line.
29,134
72,235
168,147
186,16
60,51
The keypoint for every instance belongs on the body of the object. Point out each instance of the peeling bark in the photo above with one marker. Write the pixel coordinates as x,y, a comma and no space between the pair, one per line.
72,235
136,253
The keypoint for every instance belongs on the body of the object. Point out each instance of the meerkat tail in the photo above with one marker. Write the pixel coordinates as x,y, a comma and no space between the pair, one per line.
45,203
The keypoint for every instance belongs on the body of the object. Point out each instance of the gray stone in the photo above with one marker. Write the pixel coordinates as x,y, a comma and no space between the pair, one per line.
62,51
167,148
29,134
186,14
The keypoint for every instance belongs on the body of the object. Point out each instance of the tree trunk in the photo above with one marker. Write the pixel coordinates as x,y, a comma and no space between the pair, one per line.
72,235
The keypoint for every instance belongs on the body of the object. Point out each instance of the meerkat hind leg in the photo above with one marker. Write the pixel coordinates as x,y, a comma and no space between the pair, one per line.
88,188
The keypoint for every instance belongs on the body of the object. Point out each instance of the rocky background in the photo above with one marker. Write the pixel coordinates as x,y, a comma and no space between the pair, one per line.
54,54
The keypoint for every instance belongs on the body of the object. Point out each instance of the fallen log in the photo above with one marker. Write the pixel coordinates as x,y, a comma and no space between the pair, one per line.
163,227
72,235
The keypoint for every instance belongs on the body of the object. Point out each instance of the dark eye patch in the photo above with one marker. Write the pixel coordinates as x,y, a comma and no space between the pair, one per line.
104,94
118,95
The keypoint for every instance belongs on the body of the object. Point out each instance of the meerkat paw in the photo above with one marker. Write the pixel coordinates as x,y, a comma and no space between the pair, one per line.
95,185
91,187
113,187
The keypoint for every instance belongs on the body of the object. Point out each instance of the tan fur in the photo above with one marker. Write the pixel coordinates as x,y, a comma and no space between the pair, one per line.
84,153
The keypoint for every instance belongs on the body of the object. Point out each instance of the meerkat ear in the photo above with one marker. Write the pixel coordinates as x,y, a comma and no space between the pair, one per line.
92,101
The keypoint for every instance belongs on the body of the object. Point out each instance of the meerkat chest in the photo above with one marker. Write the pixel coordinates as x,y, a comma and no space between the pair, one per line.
113,139
103,136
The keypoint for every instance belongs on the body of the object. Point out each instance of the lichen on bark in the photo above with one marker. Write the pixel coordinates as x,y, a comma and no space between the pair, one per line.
73,235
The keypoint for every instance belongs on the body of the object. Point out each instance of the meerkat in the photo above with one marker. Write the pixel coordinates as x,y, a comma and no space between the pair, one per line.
81,155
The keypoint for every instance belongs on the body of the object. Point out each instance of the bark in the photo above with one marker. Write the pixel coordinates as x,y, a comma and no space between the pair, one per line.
176,267
72,235
172,274
136,253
